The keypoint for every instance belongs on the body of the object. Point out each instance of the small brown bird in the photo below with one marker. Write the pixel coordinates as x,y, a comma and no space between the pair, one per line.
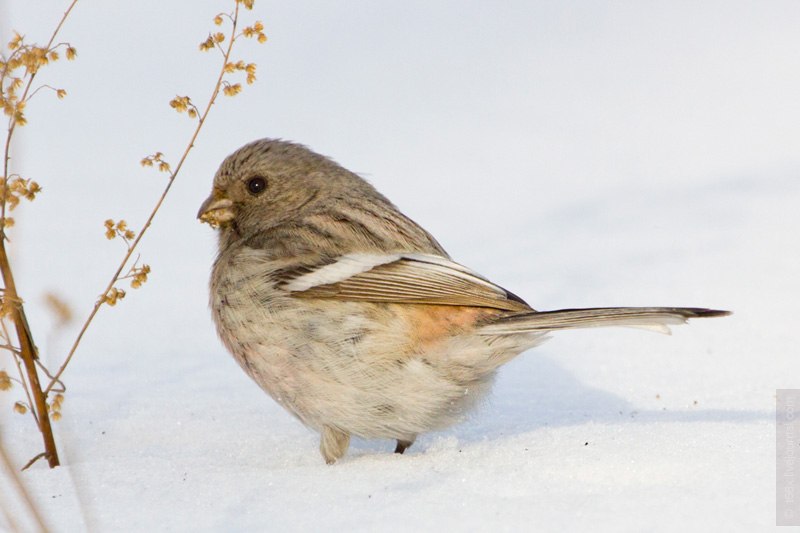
352,316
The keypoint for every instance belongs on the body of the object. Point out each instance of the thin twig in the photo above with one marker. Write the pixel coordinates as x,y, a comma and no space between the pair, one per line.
155,210
25,387
16,355
33,460
13,123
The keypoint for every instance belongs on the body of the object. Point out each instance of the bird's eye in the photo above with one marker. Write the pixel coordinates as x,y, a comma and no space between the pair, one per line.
256,185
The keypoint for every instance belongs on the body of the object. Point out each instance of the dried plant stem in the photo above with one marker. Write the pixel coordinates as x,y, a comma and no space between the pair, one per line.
27,350
13,123
134,244
28,355
16,357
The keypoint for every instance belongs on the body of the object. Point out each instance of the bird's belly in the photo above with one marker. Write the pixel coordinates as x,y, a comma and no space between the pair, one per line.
368,369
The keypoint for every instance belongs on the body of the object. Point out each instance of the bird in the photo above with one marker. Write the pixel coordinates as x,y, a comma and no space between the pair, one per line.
352,316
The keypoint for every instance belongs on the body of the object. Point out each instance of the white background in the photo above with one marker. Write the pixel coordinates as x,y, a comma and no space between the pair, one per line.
578,153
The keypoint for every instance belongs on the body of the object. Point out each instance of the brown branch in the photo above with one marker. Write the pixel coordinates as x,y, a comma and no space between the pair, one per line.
28,355
148,222
16,356
25,387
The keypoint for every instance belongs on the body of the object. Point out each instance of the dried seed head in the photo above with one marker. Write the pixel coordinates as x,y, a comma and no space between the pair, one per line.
113,296
208,44
232,89
140,276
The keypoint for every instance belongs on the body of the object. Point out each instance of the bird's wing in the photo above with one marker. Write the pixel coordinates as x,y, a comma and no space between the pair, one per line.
399,278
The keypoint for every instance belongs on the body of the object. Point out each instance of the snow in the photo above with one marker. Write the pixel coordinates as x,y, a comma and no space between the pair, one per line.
578,154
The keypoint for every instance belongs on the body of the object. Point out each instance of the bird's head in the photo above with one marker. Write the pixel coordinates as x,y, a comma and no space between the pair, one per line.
269,182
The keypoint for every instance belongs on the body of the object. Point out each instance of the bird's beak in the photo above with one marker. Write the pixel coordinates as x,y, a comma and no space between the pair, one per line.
216,210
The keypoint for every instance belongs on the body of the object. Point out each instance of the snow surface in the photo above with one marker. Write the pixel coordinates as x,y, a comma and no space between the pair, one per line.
580,154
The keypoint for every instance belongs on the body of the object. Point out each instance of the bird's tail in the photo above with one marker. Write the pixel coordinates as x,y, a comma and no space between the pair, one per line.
654,318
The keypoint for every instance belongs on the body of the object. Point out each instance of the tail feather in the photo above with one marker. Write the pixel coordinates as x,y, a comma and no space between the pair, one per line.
656,318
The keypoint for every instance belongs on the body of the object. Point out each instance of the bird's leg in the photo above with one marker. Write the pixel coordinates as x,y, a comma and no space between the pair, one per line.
403,445
333,444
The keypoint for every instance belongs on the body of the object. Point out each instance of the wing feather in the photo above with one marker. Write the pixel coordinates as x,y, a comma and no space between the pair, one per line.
400,278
